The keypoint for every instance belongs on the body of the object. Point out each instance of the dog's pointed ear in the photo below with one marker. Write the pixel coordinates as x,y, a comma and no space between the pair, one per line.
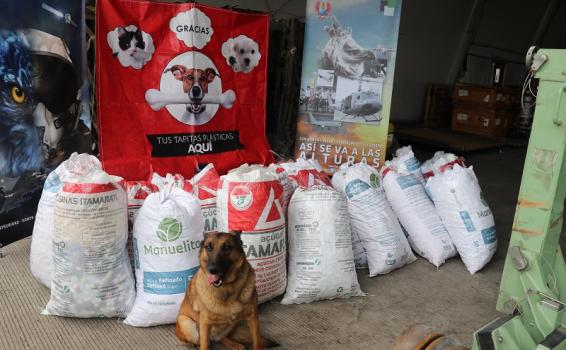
177,70
210,74
238,235
236,232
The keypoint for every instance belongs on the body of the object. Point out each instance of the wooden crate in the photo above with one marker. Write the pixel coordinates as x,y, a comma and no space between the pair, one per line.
438,106
480,121
486,97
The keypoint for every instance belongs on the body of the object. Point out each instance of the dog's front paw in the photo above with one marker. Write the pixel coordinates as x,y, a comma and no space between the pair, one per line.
232,345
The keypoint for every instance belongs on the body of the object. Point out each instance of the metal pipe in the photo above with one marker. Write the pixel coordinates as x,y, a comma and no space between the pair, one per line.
472,25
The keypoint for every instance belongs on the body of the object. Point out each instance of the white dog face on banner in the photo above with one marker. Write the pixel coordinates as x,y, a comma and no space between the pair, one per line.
241,53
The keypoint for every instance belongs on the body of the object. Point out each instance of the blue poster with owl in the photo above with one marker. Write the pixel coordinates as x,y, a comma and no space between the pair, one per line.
42,115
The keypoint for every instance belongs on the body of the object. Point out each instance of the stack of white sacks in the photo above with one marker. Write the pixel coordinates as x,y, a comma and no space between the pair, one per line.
361,219
448,215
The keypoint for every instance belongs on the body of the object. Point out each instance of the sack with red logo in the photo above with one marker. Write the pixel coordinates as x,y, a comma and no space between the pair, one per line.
285,182
192,87
250,199
205,187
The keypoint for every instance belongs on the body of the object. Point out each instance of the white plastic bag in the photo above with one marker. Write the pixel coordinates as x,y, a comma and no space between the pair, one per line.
372,219
41,252
92,276
250,199
466,215
167,236
321,261
416,212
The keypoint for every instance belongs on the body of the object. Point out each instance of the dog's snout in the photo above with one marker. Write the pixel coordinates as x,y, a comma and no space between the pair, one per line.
196,91
213,269
247,61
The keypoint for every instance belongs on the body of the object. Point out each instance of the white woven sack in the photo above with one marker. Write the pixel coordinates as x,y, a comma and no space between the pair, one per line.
167,234
416,212
250,199
466,215
372,219
92,275
360,257
321,261
41,252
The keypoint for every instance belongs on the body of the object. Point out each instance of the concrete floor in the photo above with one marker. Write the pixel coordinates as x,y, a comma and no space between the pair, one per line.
449,298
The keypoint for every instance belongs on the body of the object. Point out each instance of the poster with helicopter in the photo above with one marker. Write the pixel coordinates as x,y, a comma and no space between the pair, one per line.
347,81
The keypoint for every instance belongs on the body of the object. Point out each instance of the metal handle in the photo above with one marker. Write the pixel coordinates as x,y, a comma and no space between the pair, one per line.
555,119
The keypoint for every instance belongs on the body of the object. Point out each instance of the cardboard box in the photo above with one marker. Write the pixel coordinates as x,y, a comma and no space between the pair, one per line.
486,97
480,121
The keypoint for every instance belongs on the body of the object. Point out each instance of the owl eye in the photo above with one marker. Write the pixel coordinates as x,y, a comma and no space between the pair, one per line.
17,94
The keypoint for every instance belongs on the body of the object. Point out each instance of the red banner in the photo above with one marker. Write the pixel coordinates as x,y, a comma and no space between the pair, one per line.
179,84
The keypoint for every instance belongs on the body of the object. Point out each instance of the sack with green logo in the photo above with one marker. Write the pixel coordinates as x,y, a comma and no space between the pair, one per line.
372,219
167,235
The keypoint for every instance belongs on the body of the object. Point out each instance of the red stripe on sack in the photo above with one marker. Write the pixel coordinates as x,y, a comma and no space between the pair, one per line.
384,171
448,165
427,174
88,188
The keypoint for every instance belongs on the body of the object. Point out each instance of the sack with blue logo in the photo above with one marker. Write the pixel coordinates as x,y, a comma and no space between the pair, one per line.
168,231
466,215
416,212
372,219
360,256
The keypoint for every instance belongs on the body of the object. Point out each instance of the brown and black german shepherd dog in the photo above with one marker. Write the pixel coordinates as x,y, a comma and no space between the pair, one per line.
221,298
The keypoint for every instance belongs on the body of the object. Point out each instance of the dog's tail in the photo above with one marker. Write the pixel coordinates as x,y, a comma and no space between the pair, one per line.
241,334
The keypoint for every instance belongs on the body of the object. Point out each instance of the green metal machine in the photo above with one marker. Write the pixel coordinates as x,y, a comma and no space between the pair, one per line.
533,284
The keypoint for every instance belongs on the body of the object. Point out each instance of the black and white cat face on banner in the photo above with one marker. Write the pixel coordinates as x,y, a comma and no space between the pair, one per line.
132,46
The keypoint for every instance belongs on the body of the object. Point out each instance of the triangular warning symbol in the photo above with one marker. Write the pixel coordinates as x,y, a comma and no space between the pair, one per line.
205,193
272,215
